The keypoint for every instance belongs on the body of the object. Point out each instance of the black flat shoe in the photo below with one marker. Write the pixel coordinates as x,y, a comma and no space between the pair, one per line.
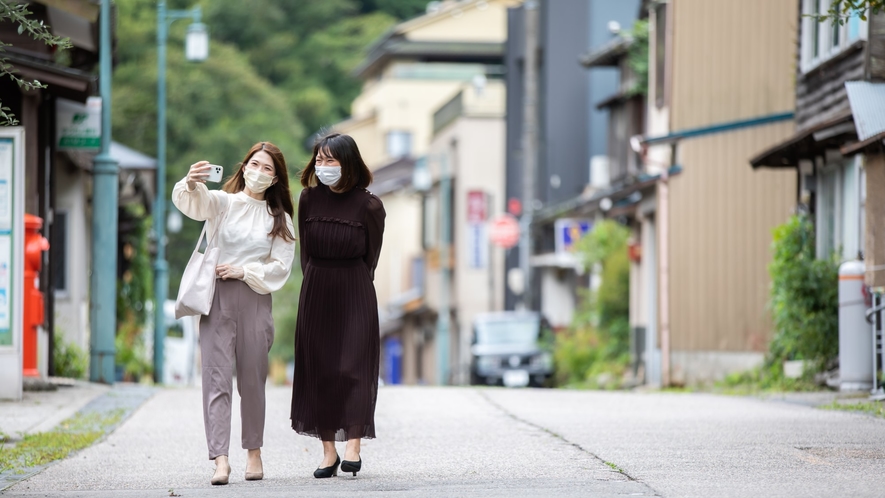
348,466
322,473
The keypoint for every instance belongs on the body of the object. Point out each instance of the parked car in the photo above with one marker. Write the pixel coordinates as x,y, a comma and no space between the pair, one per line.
507,350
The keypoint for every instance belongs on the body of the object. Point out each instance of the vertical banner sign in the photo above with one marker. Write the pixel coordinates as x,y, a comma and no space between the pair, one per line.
476,239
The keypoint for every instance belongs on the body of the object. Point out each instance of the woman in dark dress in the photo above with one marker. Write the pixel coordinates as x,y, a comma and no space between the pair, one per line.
340,225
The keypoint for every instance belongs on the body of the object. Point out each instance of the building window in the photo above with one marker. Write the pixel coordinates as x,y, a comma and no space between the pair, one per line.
862,185
822,41
58,251
431,222
840,210
399,144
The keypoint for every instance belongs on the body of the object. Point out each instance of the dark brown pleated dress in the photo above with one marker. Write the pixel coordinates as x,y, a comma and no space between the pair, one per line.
336,337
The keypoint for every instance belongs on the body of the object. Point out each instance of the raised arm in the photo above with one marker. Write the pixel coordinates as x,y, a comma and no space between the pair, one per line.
191,196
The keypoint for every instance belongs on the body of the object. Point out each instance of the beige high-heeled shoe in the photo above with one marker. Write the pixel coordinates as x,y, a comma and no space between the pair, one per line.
222,470
252,474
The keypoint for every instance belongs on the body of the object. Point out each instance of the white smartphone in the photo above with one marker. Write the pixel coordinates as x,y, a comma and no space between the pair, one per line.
216,172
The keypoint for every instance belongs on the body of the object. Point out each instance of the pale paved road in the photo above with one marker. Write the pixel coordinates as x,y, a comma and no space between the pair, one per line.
502,443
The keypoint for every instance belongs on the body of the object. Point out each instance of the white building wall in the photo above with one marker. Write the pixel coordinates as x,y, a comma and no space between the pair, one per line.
72,304
475,148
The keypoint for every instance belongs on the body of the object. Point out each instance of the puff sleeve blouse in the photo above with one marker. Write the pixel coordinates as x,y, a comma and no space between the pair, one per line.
243,238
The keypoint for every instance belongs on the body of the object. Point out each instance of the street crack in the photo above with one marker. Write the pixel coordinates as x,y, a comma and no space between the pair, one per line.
541,428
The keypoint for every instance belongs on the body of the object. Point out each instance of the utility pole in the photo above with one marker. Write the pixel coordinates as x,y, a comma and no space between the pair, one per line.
105,194
442,322
529,146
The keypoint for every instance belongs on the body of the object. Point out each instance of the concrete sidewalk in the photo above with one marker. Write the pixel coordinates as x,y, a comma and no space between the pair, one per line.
41,411
75,408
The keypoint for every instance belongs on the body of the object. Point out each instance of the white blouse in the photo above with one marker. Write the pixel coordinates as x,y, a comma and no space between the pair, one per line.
243,239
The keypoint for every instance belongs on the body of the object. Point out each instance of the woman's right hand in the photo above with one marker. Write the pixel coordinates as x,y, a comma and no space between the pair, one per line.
198,173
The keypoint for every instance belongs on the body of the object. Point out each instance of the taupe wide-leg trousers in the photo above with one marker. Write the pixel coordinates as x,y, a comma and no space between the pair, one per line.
238,327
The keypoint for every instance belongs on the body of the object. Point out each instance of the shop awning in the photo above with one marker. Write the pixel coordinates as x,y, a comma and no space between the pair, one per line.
867,100
807,144
127,158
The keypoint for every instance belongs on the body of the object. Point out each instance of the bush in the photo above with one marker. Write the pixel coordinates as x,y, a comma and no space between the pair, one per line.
804,298
68,358
594,351
132,356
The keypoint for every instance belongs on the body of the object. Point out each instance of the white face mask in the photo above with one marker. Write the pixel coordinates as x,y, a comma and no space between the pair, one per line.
257,181
328,175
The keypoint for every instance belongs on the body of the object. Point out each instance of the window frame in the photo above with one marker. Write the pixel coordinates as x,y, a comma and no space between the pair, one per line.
401,137
814,52
62,271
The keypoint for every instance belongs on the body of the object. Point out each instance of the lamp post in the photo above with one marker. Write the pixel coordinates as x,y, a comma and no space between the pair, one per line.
103,284
196,50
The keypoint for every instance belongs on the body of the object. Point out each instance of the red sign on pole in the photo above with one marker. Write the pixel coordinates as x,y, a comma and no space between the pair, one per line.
514,206
504,231
476,206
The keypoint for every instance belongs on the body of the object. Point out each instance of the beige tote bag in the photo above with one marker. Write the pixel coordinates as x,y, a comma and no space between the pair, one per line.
197,287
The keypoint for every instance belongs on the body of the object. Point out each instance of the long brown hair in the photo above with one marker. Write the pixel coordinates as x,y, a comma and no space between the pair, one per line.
354,172
278,195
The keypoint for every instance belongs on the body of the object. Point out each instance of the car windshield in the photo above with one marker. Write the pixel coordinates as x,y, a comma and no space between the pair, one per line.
507,332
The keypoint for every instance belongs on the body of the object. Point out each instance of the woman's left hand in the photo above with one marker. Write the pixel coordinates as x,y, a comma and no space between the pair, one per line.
229,272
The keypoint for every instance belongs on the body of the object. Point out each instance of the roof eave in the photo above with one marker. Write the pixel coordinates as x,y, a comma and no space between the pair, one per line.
402,48
610,54
803,145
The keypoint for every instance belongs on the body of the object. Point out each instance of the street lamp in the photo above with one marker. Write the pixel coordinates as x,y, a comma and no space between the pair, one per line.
196,50
196,43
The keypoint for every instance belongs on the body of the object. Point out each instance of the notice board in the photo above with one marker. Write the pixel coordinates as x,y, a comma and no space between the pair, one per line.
12,166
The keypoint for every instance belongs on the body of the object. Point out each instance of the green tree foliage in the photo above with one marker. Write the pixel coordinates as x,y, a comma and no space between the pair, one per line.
637,57
804,297
400,9
17,13
841,10
136,283
306,48
597,343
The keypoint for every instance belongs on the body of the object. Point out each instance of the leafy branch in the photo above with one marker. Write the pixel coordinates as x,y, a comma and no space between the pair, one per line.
637,57
17,12
842,10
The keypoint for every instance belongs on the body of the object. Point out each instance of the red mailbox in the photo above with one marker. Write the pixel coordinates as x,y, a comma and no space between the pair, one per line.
35,244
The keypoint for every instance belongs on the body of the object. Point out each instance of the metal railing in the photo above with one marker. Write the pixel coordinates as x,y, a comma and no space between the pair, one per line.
874,317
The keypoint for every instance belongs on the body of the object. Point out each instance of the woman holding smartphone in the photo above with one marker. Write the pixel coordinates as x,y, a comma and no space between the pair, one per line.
253,215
